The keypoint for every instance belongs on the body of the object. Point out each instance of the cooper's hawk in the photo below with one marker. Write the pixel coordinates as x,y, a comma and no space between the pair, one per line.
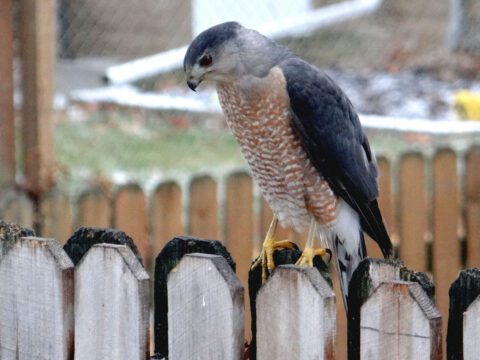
302,139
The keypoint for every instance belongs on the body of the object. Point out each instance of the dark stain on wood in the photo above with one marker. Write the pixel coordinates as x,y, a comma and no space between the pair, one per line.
280,257
168,258
464,290
85,237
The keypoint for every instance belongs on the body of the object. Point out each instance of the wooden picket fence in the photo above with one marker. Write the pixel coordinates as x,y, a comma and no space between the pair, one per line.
91,300
431,204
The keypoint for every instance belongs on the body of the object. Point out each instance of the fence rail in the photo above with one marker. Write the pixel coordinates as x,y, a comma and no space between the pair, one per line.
91,300
431,205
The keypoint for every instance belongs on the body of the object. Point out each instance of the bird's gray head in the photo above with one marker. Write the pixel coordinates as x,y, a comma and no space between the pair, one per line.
228,51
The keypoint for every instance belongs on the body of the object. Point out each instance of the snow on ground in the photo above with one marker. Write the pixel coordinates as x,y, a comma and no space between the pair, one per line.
405,95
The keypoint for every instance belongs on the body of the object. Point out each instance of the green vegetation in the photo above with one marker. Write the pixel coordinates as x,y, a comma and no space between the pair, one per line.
118,144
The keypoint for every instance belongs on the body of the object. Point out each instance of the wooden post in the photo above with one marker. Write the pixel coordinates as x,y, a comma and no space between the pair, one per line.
37,37
473,206
280,257
166,215
168,258
399,321
111,305
446,213
130,215
296,315
36,311
464,318
204,208
413,224
366,278
7,122
206,310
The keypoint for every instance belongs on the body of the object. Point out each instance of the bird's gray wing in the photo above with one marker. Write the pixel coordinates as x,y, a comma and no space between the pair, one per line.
331,134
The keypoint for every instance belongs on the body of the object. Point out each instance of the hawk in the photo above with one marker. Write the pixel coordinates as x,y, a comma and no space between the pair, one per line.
303,142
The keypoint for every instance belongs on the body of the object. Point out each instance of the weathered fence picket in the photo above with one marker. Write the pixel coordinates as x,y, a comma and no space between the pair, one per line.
296,315
205,310
203,212
473,206
471,330
413,224
400,320
464,317
94,208
166,215
36,300
368,276
446,255
111,305
130,215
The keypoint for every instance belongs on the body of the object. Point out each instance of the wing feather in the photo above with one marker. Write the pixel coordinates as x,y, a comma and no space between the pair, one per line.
331,134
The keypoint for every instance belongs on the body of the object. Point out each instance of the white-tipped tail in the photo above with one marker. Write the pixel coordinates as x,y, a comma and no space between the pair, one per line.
347,244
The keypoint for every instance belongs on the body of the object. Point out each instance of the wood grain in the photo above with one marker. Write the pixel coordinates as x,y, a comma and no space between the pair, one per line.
111,305
203,210
399,319
166,215
413,218
307,325
206,310
36,301
446,212
473,206
37,48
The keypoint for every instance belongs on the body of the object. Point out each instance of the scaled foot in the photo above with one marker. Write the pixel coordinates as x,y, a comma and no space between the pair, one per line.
269,246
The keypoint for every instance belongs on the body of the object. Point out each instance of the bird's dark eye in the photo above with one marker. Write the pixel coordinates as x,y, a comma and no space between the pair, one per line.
206,60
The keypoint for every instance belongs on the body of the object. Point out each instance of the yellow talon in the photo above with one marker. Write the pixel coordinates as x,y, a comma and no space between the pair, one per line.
309,252
269,246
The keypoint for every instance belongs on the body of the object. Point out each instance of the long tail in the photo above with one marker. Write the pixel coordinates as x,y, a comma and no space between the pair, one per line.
346,263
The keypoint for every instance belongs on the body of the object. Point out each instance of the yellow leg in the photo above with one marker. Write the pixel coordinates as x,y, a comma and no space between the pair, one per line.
269,246
309,252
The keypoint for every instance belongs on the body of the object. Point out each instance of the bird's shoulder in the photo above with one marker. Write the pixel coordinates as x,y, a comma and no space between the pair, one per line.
314,93
329,128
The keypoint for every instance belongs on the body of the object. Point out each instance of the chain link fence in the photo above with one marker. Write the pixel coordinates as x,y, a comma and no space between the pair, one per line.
397,60
124,30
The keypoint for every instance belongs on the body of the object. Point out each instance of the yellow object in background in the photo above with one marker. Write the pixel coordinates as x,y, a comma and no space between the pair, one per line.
467,105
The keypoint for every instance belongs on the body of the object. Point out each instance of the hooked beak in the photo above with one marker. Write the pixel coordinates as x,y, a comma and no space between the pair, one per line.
193,83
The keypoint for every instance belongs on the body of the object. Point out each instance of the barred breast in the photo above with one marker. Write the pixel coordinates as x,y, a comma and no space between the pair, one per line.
258,113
